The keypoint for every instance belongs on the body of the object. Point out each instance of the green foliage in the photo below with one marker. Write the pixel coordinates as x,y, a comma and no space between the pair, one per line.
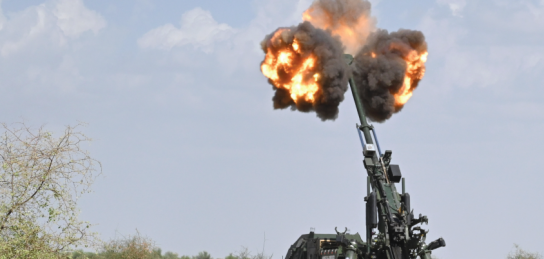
138,247
170,255
27,241
133,247
230,256
246,254
80,254
41,179
203,255
522,254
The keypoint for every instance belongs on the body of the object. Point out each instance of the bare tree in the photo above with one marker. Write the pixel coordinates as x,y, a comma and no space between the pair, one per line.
244,253
262,255
42,176
522,254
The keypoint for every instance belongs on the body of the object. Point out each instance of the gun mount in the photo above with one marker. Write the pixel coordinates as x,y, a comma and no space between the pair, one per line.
399,237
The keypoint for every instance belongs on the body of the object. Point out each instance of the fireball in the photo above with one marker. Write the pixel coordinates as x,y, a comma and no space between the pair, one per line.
291,69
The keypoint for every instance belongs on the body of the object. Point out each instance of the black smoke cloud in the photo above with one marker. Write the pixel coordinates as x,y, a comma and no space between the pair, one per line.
380,62
333,70
379,77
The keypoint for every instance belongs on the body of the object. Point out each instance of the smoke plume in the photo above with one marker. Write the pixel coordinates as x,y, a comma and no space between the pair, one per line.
306,68
388,69
348,19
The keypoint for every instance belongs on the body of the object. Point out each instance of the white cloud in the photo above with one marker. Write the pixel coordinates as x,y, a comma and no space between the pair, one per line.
52,22
456,6
2,17
73,18
26,27
495,67
198,28
523,16
491,48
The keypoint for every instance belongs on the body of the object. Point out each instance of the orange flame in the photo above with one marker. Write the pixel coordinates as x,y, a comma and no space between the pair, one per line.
353,34
415,71
288,69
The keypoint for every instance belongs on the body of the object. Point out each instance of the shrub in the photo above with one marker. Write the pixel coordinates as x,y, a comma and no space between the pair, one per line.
519,253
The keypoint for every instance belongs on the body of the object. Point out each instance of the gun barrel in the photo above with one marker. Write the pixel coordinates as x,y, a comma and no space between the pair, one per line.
361,111
359,104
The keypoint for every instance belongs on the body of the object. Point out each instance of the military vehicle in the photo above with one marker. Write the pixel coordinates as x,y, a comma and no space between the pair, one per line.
398,236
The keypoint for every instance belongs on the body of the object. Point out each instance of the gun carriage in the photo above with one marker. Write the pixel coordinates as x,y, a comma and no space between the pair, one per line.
387,210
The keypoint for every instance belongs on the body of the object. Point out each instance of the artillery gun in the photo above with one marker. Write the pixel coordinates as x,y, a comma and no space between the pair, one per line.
399,237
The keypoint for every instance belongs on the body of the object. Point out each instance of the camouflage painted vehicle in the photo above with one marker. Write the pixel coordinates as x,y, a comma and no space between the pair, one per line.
398,236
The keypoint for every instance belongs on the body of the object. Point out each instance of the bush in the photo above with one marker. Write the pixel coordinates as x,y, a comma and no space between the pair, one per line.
203,255
246,254
132,247
522,254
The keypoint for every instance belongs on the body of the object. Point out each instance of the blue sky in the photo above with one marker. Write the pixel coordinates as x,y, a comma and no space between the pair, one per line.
195,157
